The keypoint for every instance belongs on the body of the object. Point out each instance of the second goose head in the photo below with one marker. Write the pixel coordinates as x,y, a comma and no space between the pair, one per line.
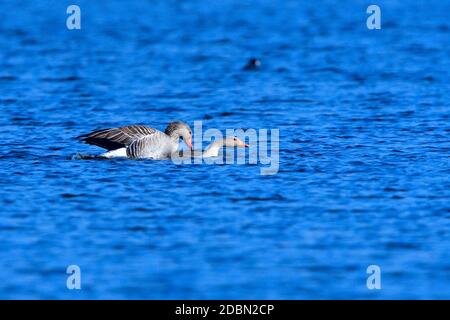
231,142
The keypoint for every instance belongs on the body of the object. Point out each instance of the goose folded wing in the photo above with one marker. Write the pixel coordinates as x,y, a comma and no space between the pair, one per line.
150,146
114,138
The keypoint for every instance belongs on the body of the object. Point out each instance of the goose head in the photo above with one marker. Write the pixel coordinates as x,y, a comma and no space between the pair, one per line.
179,129
231,142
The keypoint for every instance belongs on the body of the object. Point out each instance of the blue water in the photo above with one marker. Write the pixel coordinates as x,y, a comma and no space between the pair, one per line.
364,150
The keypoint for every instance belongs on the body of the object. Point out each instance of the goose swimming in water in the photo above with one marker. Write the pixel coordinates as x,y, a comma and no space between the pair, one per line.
140,142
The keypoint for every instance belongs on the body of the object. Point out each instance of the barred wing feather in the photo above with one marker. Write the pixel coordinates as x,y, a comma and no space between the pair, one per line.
114,138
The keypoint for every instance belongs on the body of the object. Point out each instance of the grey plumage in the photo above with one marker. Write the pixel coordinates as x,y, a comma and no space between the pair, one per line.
114,138
158,146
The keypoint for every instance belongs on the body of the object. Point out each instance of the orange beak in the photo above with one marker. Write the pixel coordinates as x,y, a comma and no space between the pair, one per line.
189,144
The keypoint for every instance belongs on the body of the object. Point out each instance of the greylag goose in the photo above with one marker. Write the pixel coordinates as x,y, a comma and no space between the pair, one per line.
140,142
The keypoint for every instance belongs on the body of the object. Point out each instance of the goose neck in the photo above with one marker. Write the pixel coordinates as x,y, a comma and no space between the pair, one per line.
213,149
